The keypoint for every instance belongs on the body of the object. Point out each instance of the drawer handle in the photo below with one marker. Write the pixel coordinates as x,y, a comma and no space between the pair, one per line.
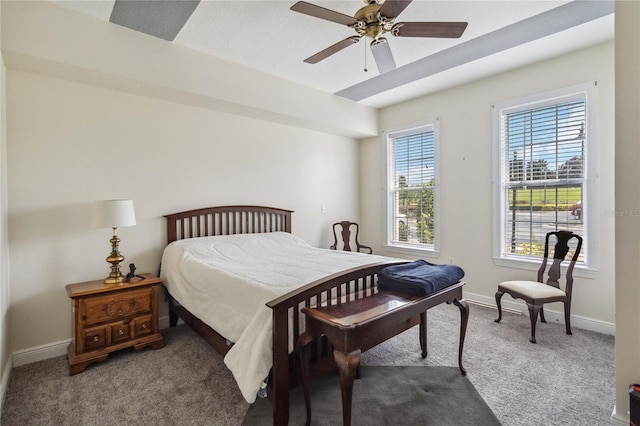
121,332
144,325
120,312
96,338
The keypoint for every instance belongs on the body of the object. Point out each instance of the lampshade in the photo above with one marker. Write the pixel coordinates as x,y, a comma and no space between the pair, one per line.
113,213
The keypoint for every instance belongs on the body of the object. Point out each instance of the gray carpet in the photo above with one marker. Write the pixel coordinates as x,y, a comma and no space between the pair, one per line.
184,383
561,380
438,396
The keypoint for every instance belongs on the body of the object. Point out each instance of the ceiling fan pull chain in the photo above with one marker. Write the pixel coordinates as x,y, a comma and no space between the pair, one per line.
365,57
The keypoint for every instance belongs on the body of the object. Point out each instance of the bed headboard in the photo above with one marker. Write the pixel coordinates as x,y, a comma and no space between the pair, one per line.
226,220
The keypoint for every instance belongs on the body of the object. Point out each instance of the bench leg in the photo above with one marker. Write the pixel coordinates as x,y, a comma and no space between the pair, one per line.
303,350
464,319
423,334
347,364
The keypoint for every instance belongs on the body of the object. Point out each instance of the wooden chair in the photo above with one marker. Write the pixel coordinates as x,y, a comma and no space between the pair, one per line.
537,293
346,237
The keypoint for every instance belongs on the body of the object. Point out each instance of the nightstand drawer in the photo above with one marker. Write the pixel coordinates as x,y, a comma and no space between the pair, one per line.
118,306
120,332
94,338
143,325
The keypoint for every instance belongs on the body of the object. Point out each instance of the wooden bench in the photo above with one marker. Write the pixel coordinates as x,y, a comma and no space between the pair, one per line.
355,326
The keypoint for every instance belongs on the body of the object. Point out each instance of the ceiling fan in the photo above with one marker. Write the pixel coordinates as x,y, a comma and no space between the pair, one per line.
373,20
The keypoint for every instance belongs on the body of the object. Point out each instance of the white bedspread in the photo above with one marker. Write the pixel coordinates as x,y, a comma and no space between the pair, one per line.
225,281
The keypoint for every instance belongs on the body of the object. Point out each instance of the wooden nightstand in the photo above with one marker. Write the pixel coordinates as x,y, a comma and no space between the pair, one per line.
110,317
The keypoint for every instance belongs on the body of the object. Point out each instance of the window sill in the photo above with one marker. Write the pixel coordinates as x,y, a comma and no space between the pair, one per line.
414,251
533,265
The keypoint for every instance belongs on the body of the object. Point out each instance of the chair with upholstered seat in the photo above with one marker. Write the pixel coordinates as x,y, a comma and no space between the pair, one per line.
345,231
537,293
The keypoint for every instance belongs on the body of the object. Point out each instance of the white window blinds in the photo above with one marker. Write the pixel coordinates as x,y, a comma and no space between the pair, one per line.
543,176
411,167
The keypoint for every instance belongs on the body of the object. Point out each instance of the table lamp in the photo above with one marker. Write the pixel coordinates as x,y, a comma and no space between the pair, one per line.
113,214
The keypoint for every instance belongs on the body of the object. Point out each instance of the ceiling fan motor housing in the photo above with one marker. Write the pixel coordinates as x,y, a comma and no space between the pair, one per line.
370,22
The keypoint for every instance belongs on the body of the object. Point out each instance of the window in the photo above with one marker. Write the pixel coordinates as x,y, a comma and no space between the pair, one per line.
412,188
543,166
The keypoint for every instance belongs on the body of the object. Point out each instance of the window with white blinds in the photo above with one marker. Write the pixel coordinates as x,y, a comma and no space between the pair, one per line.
543,172
412,188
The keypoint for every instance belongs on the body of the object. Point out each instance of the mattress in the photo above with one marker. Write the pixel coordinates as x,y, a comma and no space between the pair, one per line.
226,281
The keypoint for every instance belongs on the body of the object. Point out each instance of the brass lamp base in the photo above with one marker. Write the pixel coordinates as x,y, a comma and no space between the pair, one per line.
115,277
114,280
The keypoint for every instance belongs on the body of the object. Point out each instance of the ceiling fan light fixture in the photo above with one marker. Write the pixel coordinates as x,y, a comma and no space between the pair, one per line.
382,54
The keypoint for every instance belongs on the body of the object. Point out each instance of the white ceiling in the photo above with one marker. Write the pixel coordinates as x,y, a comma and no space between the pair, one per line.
267,36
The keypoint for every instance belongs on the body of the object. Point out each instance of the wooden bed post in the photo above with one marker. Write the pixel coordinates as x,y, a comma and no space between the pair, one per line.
172,232
280,369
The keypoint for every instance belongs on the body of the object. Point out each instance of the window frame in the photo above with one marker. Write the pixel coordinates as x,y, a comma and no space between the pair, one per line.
587,91
420,249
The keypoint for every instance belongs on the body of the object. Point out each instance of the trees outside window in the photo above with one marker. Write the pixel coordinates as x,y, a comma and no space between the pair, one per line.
412,187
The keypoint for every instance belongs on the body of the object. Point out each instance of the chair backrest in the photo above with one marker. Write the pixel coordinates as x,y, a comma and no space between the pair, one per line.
347,241
345,232
560,251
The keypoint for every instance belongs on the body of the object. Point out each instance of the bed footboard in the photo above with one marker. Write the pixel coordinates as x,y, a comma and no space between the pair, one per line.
288,324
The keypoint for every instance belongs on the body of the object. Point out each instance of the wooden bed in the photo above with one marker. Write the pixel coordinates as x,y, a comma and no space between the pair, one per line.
348,285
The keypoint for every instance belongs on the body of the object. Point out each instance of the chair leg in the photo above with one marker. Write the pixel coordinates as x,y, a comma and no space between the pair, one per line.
542,314
567,317
533,316
499,295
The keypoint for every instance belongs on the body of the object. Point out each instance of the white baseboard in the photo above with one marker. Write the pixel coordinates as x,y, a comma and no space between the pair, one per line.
163,322
39,353
4,385
550,315
618,420
52,350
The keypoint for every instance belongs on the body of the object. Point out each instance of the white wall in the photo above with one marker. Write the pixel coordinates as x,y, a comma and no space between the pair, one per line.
466,174
627,194
46,38
70,144
5,359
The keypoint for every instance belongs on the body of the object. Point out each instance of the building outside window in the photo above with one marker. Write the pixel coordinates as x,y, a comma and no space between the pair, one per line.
412,188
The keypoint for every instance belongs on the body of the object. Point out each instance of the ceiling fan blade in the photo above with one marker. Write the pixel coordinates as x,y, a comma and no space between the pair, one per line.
323,13
323,54
393,8
429,29
382,54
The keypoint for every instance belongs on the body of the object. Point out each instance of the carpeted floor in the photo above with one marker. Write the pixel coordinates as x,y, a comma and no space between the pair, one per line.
562,380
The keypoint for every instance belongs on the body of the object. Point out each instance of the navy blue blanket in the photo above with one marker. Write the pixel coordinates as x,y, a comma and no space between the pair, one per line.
420,277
